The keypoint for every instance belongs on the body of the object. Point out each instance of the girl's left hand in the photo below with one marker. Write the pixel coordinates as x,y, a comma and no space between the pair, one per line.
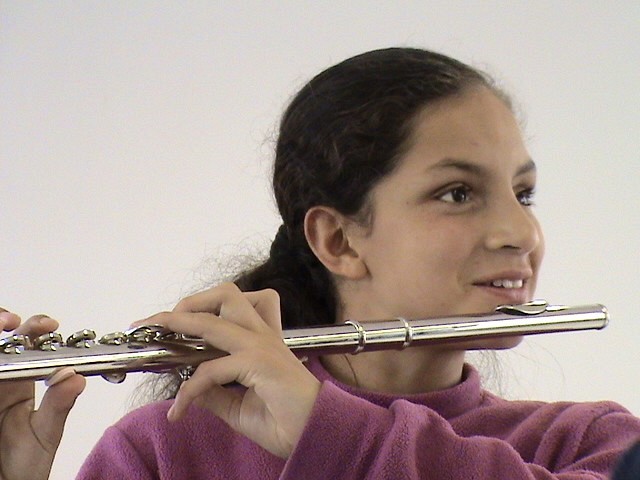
280,391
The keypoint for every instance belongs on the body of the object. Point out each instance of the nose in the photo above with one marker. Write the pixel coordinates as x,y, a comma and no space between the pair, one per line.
513,226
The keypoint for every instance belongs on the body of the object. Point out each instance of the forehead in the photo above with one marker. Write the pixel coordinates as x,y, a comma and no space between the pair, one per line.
475,126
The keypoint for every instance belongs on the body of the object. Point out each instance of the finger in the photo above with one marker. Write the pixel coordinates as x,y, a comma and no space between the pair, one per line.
209,300
267,304
228,301
59,375
216,331
49,420
17,392
208,377
37,325
8,321
223,402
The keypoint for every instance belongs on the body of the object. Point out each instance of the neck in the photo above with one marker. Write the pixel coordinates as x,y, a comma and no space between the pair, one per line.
414,370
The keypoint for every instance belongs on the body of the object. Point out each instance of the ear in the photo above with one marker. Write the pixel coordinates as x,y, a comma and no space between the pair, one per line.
327,233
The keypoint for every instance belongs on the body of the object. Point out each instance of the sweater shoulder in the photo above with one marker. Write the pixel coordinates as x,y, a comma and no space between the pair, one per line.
545,415
587,410
554,433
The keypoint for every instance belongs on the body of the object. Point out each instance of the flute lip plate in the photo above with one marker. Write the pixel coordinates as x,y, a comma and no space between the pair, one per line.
535,307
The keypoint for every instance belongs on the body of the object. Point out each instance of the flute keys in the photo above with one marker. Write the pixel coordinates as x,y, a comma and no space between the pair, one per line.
82,339
15,344
49,341
185,372
114,338
145,333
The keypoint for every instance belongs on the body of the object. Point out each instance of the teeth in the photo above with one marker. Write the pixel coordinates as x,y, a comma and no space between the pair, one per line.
508,283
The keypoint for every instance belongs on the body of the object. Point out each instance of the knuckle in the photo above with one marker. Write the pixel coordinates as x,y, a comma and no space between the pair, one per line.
272,294
228,288
185,304
219,293
189,388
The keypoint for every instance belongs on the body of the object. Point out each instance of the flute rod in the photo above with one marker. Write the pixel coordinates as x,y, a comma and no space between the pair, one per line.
163,351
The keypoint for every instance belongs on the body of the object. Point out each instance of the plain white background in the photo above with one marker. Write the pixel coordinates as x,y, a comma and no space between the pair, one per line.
136,140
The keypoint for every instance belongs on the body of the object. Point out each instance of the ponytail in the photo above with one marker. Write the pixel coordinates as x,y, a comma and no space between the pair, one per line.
306,289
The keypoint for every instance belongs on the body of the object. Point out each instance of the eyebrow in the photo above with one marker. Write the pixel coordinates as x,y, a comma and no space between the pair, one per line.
474,168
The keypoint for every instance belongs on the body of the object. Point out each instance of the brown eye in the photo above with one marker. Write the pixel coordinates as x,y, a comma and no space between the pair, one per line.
459,194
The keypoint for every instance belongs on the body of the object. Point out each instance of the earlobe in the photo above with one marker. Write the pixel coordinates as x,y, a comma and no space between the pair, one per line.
327,234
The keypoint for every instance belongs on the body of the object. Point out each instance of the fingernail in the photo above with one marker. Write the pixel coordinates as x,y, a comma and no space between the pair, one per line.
38,319
59,376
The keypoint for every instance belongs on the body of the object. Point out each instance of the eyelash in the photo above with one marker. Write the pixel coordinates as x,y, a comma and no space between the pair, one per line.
525,197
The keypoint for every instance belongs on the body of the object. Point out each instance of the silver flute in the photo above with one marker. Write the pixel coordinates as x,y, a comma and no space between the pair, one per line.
155,349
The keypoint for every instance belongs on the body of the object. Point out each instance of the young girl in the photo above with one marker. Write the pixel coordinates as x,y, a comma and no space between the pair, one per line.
405,190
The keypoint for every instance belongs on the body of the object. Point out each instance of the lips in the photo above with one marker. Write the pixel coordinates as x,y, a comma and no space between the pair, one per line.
507,287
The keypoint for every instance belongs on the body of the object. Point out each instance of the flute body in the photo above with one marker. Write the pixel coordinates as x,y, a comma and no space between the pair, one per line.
155,349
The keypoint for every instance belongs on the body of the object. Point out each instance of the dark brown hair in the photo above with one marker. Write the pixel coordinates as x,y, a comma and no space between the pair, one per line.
341,134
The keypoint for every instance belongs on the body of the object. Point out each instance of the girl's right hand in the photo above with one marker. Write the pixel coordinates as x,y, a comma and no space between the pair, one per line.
29,438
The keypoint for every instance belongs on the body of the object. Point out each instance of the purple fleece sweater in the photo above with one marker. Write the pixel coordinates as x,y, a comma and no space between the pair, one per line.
460,433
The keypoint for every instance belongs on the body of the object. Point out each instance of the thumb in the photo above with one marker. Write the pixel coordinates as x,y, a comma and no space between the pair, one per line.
49,420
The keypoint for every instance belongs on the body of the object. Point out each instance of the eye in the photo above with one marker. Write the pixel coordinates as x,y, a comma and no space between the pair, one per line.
458,194
526,197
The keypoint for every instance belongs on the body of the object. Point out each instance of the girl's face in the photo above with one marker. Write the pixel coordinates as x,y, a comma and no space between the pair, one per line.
453,229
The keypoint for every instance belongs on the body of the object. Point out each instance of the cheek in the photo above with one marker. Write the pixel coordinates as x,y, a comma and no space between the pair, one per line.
440,247
541,248
421,252
437,260
454,244
537,254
